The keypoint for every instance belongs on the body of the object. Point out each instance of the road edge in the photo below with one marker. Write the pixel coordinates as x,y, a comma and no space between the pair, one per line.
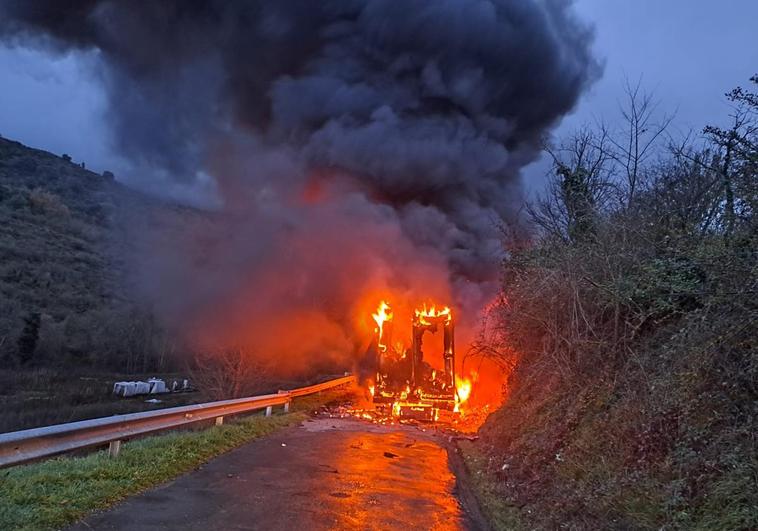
464,487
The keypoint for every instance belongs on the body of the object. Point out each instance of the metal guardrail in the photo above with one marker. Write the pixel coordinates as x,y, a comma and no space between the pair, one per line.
28,445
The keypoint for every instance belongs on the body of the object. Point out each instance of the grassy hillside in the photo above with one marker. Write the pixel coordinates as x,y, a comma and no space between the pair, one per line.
54,220
67,236
79,255
660,436
631,320
69,318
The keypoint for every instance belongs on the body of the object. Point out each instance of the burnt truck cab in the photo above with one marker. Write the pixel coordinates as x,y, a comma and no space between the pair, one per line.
405,382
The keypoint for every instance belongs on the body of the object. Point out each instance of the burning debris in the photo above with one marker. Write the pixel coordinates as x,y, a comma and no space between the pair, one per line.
454,425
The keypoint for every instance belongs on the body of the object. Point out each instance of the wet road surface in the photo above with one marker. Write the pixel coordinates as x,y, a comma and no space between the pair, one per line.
325,474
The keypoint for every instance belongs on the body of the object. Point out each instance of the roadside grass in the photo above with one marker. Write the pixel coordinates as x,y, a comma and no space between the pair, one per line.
500,515
55,493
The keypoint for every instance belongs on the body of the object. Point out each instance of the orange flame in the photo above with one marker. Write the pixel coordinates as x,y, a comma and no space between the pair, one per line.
424,315
462,389
382,315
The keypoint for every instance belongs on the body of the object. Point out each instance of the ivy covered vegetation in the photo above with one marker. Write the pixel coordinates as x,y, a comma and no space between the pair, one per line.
628,318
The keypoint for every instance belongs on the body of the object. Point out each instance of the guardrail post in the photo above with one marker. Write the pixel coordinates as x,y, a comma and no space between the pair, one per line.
269,409
114,447
286,404
219,421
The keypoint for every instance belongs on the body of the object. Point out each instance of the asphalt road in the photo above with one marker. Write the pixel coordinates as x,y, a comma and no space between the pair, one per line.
325,474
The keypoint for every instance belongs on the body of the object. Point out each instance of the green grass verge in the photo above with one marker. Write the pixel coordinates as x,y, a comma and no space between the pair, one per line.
499,514
58,492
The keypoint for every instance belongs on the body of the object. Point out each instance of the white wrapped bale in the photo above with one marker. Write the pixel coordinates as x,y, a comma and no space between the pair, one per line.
125,389
157,386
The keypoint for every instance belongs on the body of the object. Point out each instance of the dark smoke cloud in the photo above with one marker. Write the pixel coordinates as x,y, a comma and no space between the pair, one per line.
414,115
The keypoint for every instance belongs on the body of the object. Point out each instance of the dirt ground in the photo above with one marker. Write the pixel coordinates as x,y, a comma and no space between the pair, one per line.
324,474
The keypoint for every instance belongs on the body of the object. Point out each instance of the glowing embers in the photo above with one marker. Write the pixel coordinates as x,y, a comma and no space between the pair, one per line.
421,410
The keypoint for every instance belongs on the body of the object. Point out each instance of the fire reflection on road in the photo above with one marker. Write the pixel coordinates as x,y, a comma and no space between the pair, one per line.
326,474
389,480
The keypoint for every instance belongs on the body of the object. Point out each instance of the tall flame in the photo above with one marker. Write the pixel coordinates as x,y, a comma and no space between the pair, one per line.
382,315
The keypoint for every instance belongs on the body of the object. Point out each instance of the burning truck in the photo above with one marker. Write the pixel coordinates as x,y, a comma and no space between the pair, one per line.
403,381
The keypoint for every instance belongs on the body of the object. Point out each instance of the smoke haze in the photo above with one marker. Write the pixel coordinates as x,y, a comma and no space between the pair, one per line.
360,148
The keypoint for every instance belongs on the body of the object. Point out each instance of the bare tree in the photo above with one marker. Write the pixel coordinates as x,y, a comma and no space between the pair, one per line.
636,143
579,189
730,162
231,372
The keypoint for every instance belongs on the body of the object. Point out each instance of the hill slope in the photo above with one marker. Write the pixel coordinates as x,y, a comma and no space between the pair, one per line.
65,242
630,320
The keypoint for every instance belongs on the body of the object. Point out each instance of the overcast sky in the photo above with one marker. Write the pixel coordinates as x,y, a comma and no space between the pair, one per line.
689,52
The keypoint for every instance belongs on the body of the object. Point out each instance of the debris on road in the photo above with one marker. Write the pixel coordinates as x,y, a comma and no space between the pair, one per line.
462,426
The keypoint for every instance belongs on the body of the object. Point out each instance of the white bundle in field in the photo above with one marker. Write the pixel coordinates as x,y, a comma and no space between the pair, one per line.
125,389
157,386
143,388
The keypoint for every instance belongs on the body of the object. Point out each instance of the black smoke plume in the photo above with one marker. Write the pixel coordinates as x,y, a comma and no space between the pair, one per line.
391,130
